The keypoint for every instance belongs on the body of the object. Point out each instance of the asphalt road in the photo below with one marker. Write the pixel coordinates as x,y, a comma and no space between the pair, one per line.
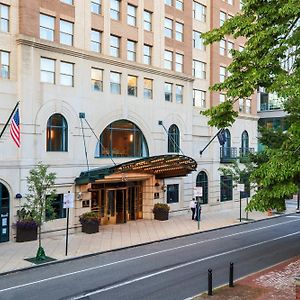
174,269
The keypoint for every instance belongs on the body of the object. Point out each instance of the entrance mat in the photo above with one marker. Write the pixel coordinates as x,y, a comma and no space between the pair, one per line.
38,262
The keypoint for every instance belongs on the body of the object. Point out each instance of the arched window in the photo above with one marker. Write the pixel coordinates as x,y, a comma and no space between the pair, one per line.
202,181
226,148
123,138
57,133
245,143
173,139
4,211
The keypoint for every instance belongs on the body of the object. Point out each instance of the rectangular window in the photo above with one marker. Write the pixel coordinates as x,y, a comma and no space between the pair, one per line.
230,2
199,98
179,93
4,18
199,11
47,27
222,98
147,20
169,2
168,91
230,46
198,40
241,48
131,50
199,69
97,80
66,32
226,188
131,15
66,73
95,40
4,65
115,9
115,83
241,105
47,70
70,2
148,88
172,193
222,47
179,62
147,54
179,31
241,4
222,18
179,4
58,210
168,28
168,60
132,85
96,7
222,74
248,106
114,46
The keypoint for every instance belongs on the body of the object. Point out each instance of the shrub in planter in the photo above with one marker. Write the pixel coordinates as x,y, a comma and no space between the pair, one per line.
26,230
90,222
161,211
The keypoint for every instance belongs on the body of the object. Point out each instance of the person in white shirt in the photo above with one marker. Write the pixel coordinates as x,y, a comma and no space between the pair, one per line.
193,207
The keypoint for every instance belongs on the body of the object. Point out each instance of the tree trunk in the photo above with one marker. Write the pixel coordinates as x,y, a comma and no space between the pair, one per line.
40,233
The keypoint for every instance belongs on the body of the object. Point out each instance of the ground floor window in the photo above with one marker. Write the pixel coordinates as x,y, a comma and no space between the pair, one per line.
172,193
57,205
226,188
202,181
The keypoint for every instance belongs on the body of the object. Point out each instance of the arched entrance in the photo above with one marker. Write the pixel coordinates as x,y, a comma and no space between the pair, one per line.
4,213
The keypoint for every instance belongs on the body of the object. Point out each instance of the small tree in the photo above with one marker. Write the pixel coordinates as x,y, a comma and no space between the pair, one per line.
40,195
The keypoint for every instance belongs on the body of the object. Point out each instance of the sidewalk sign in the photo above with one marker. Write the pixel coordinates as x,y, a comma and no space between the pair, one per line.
198,191
68,202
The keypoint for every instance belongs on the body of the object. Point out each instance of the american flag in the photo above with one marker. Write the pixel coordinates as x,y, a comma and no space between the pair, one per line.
15,128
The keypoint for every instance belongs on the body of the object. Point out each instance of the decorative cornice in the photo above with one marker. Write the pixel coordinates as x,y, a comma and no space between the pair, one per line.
57,48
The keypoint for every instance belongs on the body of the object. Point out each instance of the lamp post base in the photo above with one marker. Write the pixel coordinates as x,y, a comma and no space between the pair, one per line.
297,211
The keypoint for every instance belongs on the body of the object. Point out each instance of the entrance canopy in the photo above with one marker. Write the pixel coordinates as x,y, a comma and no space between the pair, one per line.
162,166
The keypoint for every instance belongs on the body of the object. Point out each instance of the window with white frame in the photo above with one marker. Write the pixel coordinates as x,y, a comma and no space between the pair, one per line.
168,28
179,4
114,46
222,47
147,20
241,48
222,18
168,91
95,40
66,73
70,2
199,11
4,17
47,70
168,60
199,69
241,105
115,83
97,79
248,106
230,46
241,4
147,54
148,88
96,7
179,31
47,27
4,65
222,74
66,32
131,50
115,9
179,93
131,15
198,42
222,98
169,2
199,98
230,2
132,85
178,62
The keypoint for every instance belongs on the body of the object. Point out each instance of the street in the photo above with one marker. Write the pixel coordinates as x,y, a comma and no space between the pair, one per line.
173,269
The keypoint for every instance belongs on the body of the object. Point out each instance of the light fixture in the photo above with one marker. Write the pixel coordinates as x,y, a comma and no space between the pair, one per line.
18,196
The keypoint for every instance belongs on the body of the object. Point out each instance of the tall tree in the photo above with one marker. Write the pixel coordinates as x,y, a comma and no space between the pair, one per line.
271,60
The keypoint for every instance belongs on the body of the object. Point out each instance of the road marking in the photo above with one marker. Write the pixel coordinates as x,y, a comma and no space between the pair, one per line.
178,267
297,217
142,256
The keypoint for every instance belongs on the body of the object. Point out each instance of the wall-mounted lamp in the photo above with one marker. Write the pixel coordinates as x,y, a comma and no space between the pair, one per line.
18,196
156,184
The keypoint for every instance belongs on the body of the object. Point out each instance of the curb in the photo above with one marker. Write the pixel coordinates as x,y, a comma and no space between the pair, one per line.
134,246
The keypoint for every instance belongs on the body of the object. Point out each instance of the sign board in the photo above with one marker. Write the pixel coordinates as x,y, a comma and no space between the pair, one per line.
240,187
69,200
198,191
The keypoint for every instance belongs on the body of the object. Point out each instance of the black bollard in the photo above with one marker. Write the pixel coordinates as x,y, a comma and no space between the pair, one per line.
231,275
209,292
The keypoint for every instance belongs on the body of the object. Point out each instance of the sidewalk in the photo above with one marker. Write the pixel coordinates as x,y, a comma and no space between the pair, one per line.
111,237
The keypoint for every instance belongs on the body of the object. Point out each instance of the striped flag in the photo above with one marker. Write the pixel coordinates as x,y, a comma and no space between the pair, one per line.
15,128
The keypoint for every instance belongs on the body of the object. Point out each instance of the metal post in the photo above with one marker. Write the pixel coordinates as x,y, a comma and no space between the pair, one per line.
247,210
198,212
67,234
209,288
231,275
240,206
298,202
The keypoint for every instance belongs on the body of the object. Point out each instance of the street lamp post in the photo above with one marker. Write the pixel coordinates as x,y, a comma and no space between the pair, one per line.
298,202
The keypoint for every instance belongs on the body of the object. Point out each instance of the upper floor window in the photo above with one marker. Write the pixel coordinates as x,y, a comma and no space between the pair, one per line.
248,106
4,64
114,46
147,54
179,62
97,79
4,18
179,31
173,139
57,133
95,40
115,83
241,105
198,40
199,98
222,98
222,74
199,69
168,60
222,18
169,2
222,47
147,20
66,73
96,6
230,46
131,50
47,69
168,28
199,11
70,2
47,27
245,142
230,2
168,91
179,93
148,88
115,9
131,15
179,4
66,32
132,85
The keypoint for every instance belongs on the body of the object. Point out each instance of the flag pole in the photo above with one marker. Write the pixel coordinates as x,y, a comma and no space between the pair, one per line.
9,119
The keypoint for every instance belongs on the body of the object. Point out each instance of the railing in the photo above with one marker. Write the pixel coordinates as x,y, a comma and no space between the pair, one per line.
244,153
228,154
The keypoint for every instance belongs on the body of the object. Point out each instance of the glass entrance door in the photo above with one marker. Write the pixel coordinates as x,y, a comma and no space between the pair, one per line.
4,214
121,206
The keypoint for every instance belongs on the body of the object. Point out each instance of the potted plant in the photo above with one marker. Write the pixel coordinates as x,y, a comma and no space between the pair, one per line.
161,211
26,226
90,222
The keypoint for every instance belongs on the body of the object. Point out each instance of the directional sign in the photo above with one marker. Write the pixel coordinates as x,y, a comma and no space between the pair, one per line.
69,200
198,191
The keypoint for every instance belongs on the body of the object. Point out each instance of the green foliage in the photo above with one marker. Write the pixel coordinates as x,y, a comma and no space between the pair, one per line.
89,217
160,206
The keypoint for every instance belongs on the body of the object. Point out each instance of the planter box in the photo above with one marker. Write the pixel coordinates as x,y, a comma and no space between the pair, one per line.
161,215
26,234
90,227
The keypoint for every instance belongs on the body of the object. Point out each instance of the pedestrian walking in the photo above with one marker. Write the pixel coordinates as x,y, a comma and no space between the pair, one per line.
193,207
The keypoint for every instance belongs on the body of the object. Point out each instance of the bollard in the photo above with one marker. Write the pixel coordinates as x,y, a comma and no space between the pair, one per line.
231,275
209,292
